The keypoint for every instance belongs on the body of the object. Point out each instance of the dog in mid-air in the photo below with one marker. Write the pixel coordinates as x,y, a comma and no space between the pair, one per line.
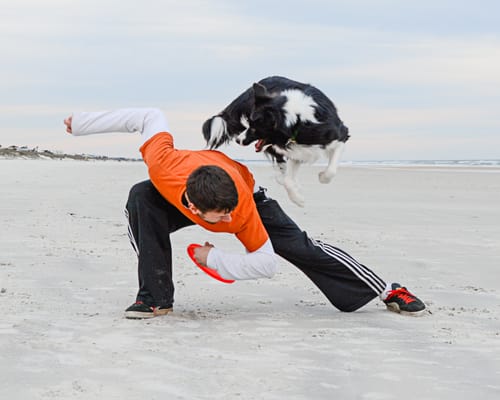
291,122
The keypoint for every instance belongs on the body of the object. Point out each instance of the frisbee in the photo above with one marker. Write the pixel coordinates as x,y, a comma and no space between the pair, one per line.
209,271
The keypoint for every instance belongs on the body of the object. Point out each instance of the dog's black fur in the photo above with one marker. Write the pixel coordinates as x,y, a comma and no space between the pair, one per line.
283,116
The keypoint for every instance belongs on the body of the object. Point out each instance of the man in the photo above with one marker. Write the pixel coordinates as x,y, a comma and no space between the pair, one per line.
209,189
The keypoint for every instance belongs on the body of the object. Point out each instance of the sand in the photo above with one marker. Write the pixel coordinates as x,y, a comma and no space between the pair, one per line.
67,272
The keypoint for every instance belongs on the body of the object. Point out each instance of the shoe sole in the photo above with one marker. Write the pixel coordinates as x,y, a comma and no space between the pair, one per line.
394,307
144,315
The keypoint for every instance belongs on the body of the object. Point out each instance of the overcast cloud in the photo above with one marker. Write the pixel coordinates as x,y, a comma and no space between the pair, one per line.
412,81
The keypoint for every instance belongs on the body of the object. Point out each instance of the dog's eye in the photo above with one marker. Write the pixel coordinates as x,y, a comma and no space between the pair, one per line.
268,120
270,117
256,117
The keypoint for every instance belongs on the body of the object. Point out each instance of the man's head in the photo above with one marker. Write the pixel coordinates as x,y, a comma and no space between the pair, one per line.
211,194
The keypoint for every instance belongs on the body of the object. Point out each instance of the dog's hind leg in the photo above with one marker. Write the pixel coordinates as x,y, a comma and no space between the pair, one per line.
291,184
333,151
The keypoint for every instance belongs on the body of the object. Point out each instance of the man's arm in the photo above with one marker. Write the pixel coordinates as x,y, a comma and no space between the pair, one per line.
147,121
261,263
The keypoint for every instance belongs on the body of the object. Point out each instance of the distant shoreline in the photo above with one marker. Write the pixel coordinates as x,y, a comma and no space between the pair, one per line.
23,152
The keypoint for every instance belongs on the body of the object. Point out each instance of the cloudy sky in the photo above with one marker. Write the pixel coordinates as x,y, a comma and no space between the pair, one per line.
412,80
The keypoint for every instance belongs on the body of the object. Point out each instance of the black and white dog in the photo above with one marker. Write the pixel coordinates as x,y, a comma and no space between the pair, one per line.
291,121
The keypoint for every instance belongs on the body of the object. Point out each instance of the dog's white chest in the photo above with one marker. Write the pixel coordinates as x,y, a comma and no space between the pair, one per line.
307,153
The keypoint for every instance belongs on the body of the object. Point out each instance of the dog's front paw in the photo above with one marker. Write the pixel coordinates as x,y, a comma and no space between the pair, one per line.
280,179
297,199
295,196
325,177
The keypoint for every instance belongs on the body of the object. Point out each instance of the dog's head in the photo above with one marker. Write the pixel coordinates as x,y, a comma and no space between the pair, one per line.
266,120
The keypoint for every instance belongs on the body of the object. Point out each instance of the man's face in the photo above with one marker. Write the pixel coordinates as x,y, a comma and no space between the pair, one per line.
213,217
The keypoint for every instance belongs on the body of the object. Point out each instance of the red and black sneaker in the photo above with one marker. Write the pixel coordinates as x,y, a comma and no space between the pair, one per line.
400,300
139,310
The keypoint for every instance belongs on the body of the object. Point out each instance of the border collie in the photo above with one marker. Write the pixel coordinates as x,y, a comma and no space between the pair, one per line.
291,122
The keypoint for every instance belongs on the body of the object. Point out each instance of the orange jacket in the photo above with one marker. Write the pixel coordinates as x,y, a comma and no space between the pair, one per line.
169,169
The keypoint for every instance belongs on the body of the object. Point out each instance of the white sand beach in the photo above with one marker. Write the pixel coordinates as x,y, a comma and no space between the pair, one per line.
67,272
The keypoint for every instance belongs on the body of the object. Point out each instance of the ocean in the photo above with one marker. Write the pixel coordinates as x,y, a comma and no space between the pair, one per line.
401,163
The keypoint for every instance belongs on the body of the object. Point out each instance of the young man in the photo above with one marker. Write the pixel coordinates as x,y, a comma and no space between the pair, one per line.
209,189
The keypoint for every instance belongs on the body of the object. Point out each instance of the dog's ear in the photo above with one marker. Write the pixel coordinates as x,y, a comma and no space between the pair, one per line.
261,93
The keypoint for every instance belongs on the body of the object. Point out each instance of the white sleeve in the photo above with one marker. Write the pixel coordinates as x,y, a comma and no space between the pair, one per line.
261,263
147,121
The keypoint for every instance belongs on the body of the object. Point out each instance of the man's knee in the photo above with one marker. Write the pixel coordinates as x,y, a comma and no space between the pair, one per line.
139,194
139,190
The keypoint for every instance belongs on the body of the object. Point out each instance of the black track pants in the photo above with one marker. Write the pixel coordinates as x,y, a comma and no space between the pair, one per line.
151,221
347,284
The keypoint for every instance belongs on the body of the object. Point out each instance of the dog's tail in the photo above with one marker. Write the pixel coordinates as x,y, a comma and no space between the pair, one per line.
215,132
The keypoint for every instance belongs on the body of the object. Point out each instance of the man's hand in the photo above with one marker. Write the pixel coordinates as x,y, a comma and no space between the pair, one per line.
67,122
201,253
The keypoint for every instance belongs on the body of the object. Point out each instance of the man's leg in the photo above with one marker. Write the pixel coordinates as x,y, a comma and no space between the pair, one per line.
346,283
151,220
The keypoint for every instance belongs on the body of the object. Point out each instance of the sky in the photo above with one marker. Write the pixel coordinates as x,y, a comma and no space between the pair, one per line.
411,80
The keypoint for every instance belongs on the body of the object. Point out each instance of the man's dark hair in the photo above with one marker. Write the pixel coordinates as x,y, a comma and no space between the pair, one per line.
210,188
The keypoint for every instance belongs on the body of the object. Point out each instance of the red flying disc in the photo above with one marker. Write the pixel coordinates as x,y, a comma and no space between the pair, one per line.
209,271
